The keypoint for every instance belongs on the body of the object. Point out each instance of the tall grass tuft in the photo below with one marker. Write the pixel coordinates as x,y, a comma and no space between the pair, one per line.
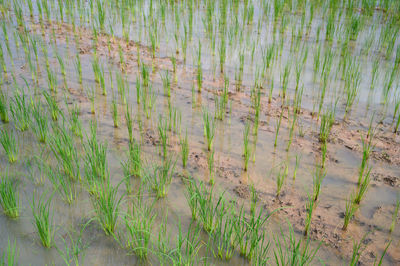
41,127
280,179
129,122
74,249
78,67
75,123
138,224
187,246
10,256
63,147
318,177
114,111
208,211
91,95
163,135
350,210
161,176
278,125
327,120
43,219
246,147
20,110
106,205
296,167
290,251
209,128
52,105
3,108
363,187
192,198
95,161
352,83
184,144
201,203
9,197
311,203
249,233
163,247
10,145
63,184
223,237
166,83
367,147
133,165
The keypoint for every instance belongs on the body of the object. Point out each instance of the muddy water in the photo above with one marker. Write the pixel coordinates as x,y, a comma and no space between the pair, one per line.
342,163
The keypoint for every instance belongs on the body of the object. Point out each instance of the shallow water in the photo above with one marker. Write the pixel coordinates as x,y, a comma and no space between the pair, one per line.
342,168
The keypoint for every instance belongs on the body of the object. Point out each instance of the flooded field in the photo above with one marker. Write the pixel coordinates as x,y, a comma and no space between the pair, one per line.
192,132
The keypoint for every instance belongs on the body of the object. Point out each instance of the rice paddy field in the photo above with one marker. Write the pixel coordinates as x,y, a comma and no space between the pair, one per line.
189,132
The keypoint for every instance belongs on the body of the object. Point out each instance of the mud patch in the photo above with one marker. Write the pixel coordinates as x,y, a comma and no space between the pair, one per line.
242,191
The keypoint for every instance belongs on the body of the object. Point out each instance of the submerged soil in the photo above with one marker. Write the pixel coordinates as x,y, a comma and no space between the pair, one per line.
343,156
345,136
